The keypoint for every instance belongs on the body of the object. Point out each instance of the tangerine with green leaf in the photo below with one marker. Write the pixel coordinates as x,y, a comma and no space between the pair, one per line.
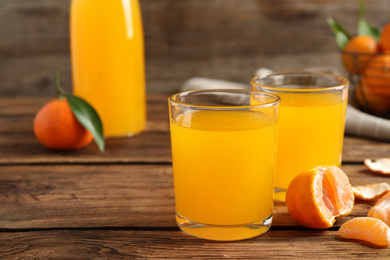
68,123
56,127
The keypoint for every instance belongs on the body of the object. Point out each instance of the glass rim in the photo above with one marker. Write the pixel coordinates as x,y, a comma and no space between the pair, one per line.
274,102
343,81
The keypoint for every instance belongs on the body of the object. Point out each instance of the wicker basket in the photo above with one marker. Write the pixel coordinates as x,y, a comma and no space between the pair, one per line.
370,76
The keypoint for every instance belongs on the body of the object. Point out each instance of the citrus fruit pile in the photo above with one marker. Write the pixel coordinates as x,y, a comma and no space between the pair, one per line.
367,55
317,197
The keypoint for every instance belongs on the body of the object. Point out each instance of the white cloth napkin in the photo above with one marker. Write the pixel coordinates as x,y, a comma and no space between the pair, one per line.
357,122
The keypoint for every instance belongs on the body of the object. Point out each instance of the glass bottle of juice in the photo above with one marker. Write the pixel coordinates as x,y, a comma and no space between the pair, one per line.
107,55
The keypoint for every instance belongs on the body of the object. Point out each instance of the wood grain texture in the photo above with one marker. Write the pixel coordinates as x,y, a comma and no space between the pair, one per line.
120,204
223,39
86,196
96,196
149,146
19,145
160,244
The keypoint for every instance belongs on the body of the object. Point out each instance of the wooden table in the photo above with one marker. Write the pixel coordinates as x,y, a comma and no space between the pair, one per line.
120,204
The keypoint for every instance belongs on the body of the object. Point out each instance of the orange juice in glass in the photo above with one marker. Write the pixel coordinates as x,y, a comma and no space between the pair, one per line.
223,154
311,125
107,55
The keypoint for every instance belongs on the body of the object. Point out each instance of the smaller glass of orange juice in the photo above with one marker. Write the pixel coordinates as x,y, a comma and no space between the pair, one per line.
223,156
312,119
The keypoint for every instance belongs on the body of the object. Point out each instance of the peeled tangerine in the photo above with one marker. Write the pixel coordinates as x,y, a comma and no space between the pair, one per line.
381,209
368,229
316,198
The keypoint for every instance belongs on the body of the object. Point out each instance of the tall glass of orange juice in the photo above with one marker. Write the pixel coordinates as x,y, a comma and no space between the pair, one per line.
312,118
107,54
223,154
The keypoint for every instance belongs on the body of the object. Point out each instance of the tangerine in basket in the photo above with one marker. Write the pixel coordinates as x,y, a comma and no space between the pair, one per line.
381,209
370,101
317,197
56,127
385,38
367,229
376,74
373,92
357,52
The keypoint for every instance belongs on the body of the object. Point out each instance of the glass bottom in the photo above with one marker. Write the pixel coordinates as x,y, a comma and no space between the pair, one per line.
280,194
223,233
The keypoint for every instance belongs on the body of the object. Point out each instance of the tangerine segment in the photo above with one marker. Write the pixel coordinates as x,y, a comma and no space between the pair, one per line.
381,209
368,229
369,100
317,197
371,191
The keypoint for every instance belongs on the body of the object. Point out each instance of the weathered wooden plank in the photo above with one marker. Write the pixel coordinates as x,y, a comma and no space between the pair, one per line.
218,39
76,196
19,145
160,244
157,106
357,149
148,147
93,195
41,26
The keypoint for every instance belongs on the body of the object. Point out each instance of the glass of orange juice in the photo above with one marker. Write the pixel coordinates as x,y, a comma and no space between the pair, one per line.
107,55
223,156
311,125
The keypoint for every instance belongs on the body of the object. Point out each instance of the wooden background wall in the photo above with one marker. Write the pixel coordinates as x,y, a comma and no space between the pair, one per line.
222,39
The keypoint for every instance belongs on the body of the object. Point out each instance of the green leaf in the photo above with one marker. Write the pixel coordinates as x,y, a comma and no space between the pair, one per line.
88,117
342,35
365,28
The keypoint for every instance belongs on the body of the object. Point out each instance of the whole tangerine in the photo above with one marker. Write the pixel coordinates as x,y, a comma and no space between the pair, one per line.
373,92
358,52
370,101
56,127
377,73
385,38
